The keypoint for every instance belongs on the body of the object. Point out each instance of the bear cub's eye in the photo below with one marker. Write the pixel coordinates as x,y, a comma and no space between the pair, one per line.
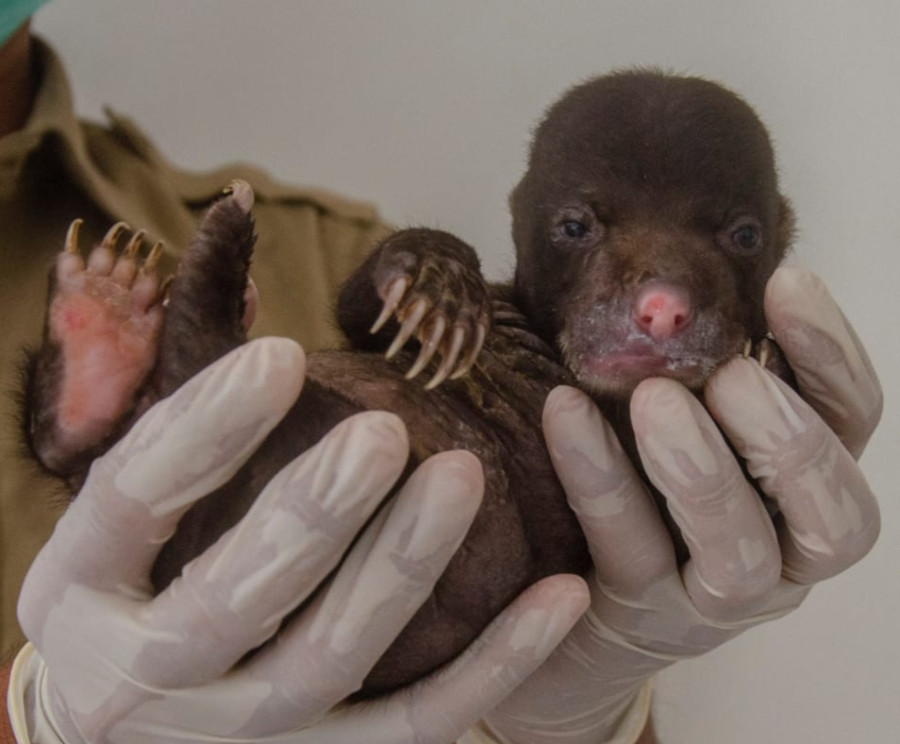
743,237
747,237
574,229
576,226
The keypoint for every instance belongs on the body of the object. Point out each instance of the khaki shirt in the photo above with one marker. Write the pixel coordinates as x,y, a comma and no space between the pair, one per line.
58,168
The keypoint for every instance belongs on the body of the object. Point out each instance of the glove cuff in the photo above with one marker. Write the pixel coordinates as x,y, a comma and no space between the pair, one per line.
31,723
632,725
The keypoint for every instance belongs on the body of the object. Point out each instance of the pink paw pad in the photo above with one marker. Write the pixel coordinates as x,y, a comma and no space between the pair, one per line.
105,316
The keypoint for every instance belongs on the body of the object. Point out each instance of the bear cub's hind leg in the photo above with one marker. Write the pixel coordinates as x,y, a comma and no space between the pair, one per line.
100,342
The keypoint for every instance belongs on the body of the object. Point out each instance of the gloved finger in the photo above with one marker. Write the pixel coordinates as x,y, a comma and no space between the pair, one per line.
388,573
830,517
833,371
440,708
234,596
735,560
629,543
324,655
184,447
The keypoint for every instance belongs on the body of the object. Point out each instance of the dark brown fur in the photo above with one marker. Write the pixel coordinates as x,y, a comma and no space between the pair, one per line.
661,172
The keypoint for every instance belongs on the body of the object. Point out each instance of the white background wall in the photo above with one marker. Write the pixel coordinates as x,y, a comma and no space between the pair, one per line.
426,107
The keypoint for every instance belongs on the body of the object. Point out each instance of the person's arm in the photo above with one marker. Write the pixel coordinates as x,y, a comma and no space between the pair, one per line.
647,611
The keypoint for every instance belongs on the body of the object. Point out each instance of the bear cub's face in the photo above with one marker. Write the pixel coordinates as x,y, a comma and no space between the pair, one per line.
646,227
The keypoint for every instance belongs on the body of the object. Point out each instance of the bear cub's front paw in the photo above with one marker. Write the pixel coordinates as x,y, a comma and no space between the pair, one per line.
434,288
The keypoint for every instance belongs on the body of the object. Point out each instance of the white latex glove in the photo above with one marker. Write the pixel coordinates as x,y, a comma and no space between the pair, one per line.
116,664
647,612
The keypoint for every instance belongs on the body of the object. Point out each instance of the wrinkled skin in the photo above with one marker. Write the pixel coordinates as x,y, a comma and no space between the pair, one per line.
646,197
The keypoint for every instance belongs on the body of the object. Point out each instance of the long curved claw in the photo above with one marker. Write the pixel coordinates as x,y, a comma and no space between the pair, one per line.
763,351
408,327
164,289
449,361
134,244
242,192
469,360
748,348
113,234
429,347
395,294
72,236
152,259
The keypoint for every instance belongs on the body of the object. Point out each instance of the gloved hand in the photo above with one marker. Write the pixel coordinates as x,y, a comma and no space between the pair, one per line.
647,612
115,664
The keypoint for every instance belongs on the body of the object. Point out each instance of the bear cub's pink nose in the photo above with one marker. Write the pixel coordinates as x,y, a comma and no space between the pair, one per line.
662,311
